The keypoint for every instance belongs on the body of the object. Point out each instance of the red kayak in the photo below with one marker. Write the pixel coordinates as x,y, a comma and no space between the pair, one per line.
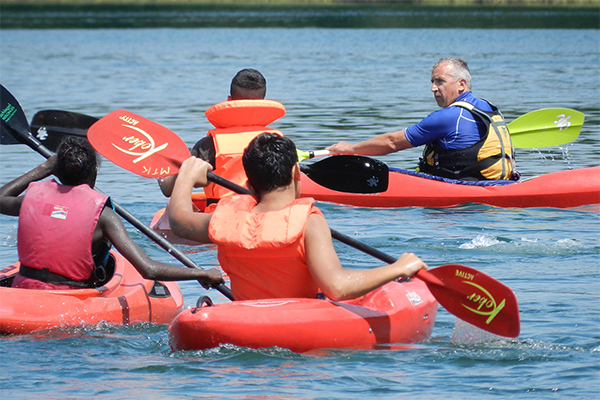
393,314
126,299
564,189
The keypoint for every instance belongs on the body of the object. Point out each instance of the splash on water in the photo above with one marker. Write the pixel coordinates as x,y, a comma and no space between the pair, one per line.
480,241
465,333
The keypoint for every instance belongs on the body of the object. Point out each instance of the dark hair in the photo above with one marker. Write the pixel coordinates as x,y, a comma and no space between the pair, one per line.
248,84
268,161
77,161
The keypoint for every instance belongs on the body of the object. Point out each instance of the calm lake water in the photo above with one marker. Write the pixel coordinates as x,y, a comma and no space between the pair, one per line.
346,84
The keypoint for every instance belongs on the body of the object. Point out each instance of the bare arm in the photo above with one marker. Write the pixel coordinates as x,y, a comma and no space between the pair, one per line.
184,222
167,183
339,283
112,227
379,145
10,201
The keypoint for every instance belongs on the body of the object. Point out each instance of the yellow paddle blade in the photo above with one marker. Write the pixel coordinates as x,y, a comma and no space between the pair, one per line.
545,128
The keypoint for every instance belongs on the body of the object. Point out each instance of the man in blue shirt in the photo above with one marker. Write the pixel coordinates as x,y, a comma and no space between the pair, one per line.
456,138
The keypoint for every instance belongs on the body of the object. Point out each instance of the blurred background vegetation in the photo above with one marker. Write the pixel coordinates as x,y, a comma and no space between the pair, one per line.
529,3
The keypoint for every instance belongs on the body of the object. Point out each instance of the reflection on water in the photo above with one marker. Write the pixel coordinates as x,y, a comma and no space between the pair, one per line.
224,16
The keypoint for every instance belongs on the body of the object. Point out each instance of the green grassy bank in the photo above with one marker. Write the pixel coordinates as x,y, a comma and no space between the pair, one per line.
483,14
526,3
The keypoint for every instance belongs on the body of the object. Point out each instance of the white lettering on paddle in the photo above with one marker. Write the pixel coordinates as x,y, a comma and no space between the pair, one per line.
157,171
148,144
128,119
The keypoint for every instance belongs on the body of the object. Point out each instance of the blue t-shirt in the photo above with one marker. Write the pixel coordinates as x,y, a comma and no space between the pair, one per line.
453,127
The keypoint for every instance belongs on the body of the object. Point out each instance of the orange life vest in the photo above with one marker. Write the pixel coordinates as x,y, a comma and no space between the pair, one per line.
236,123
263,253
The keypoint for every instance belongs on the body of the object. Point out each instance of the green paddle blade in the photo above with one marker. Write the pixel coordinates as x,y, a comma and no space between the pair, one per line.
352,174
545,128
51,127
13,118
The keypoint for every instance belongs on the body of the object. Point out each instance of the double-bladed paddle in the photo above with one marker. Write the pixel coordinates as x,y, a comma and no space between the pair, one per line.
14,124
157,152
465,292
353,174
540,128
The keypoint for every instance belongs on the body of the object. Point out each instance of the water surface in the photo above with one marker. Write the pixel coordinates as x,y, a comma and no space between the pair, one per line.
345,84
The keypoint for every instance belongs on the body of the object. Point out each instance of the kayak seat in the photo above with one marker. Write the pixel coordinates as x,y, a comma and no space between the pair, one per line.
454,181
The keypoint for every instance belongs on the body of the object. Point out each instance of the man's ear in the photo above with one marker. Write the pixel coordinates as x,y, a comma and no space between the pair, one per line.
296,172
251,189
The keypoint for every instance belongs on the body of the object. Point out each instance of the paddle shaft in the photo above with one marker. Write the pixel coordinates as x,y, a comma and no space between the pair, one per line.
531,130
157,238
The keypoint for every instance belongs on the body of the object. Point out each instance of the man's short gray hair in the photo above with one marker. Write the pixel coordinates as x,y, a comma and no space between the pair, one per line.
460,69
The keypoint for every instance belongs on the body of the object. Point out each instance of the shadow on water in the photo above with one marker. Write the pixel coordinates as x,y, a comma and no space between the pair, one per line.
231,16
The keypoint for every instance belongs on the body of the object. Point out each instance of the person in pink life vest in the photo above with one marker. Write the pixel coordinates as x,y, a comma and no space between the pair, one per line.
274,244
66,229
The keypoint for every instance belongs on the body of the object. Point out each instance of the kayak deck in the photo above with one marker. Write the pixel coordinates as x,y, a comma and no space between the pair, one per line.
126,299
395,313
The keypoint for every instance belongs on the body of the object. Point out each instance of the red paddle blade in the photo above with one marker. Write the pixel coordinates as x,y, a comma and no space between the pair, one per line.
138,144
475,298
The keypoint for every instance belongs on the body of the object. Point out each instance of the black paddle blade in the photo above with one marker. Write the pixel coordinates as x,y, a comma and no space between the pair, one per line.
51,127
13,118
351,174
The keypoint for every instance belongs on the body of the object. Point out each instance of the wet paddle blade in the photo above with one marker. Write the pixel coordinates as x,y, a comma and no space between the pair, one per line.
352,174
475,298
138,144
13,119
545,128
51,127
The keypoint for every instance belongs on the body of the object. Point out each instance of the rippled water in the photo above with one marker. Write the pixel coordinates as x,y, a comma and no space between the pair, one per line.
336,85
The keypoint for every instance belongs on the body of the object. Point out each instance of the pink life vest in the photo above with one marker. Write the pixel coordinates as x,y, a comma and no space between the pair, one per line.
263,253
56,227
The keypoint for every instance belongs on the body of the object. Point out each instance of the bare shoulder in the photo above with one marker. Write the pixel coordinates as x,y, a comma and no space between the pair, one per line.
317,226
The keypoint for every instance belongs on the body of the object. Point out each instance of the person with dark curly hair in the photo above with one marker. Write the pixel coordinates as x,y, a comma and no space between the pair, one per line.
66,228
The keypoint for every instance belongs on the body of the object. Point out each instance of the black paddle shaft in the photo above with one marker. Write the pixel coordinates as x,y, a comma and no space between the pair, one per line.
17,127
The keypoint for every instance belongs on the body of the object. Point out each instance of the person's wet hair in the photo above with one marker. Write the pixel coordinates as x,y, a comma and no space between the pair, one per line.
248,84
77,161
268,161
